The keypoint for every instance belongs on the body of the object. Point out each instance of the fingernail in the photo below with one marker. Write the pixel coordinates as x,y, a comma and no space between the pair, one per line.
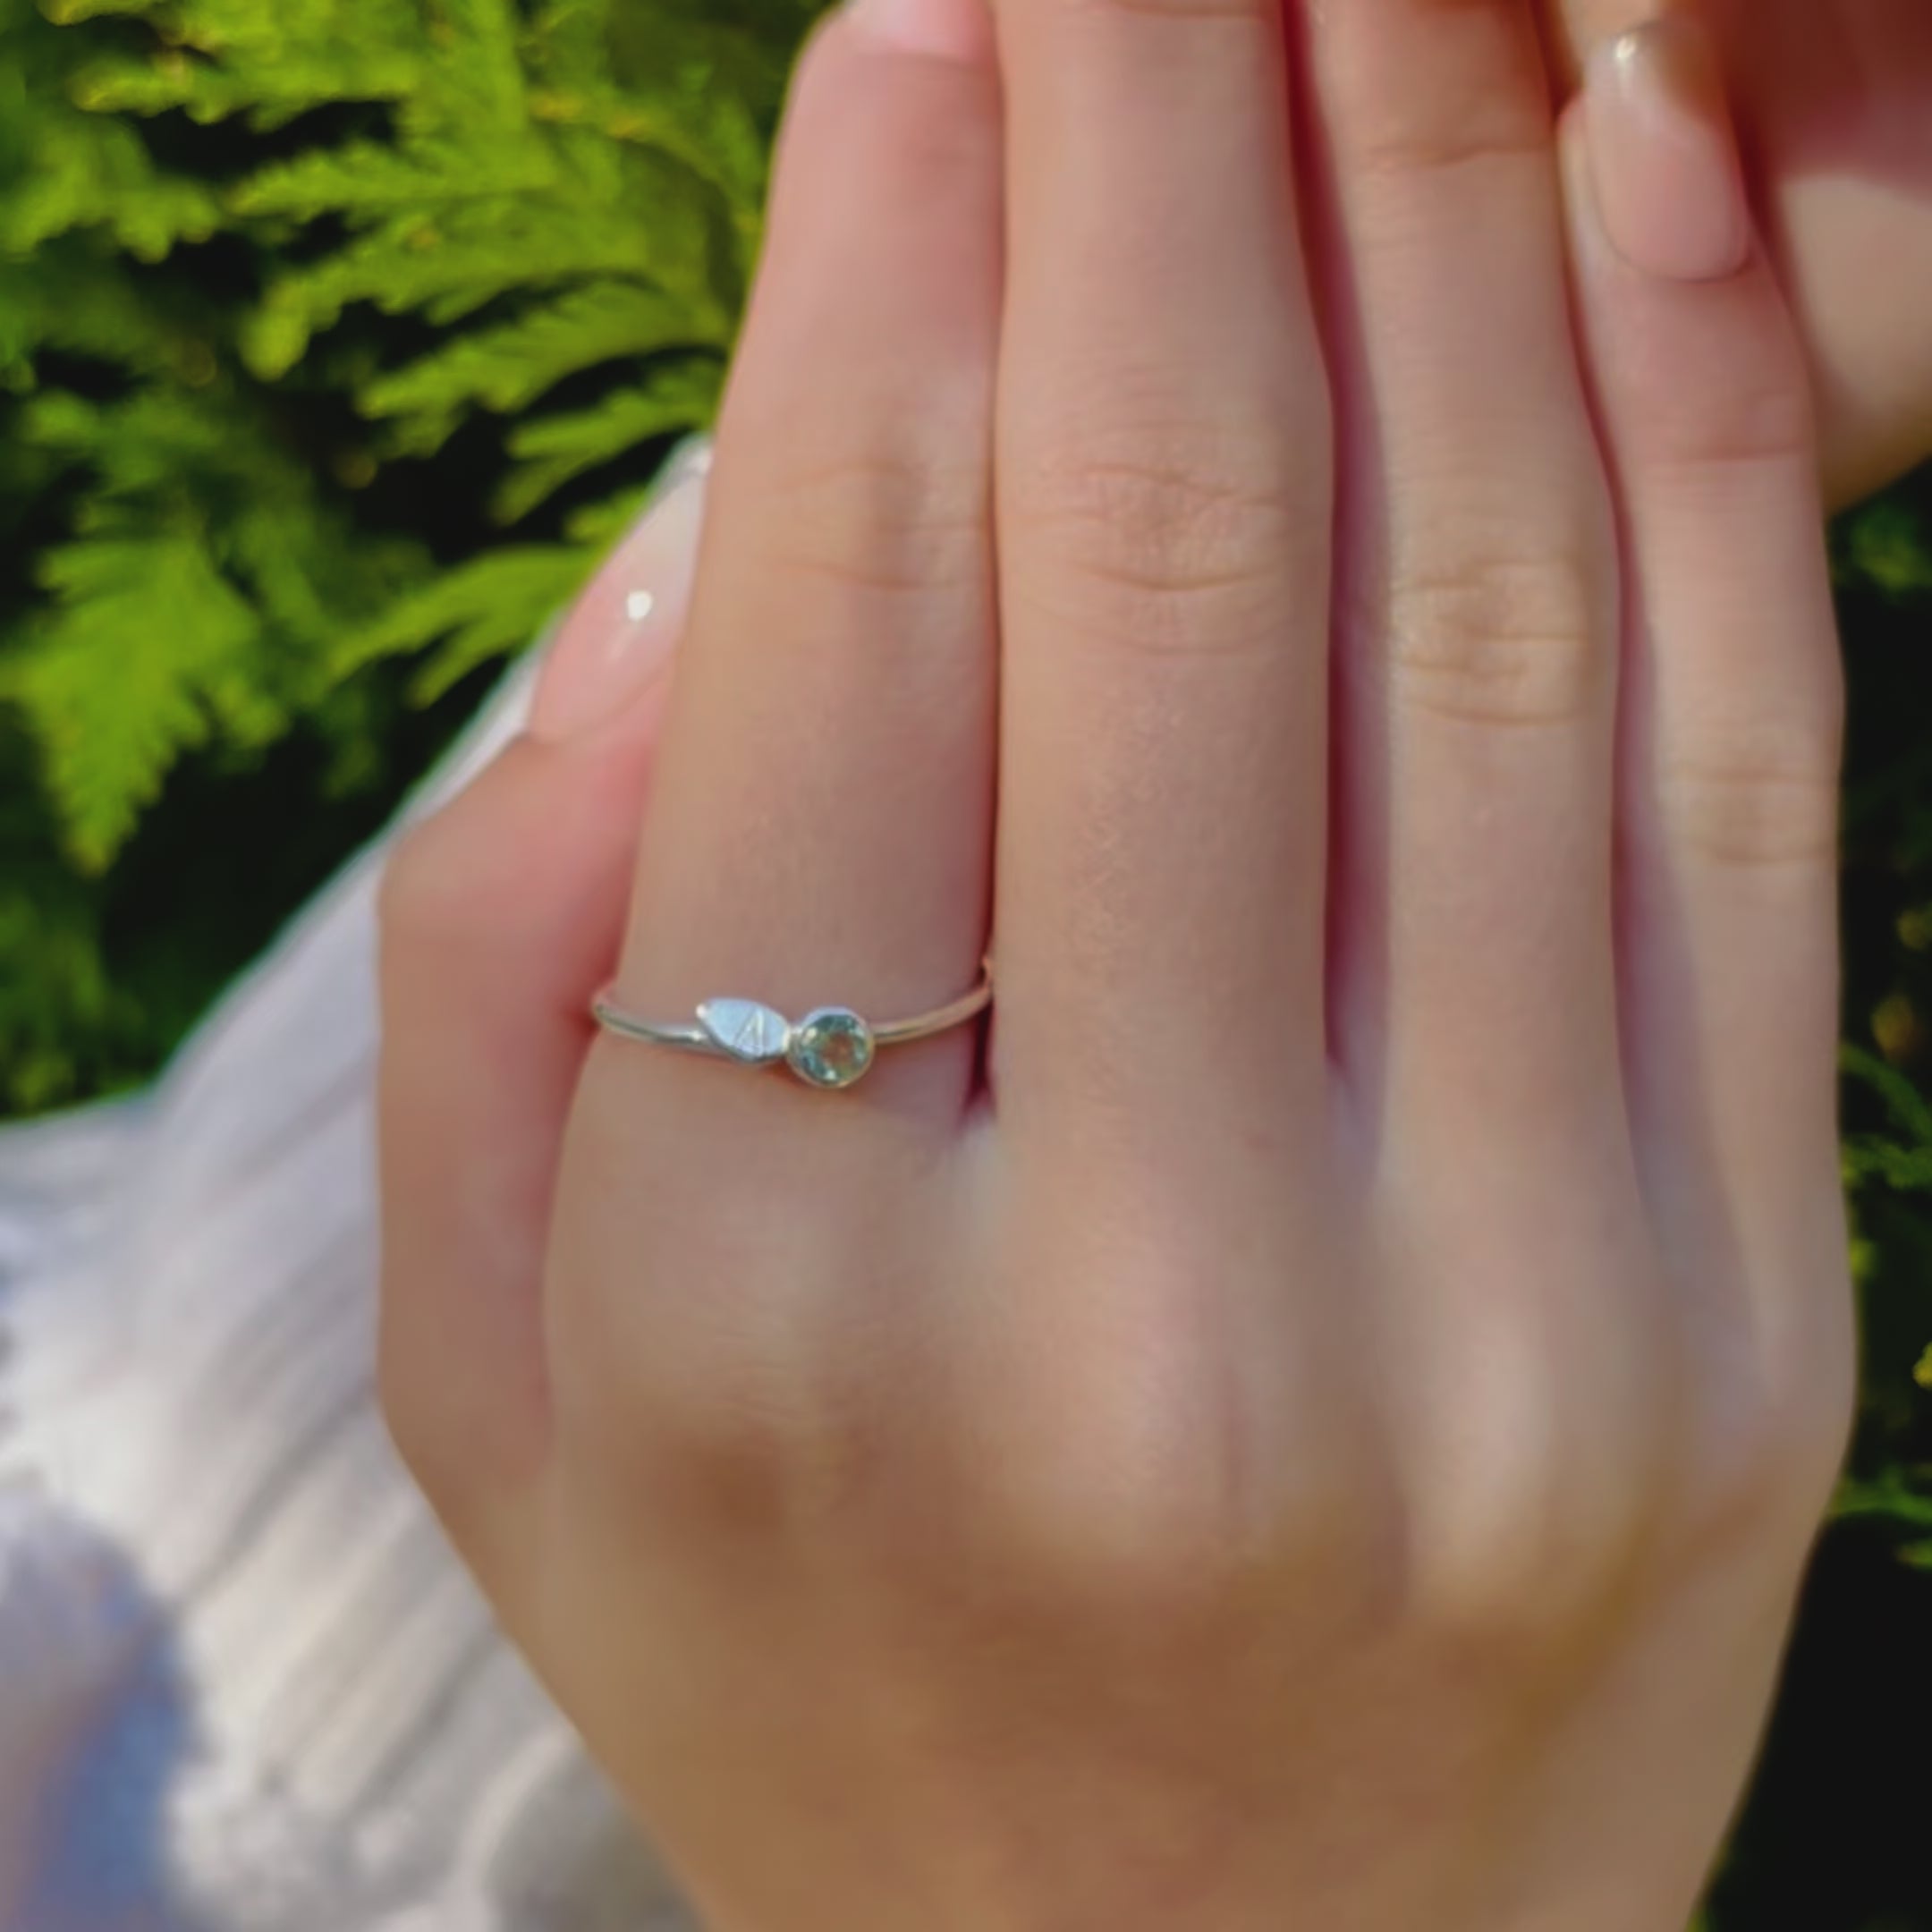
948,29
1664,153
621,632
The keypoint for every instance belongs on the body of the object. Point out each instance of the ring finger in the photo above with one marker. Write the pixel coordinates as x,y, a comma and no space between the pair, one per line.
1476,649
821,825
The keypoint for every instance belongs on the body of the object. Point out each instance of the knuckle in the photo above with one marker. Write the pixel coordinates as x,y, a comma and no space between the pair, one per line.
1776,1442
1257,13
1170,551
1763,798
1497,131
1477,99
1817,1397
1138,1476
873,522
1756,426
1496,638
729,1430
1805,1445
1138,1523
1525,1519
1778,1476
1533,1569
728,1455
1749,409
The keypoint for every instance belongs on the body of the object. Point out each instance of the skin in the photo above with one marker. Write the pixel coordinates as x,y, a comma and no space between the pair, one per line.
1835,98
1323,1423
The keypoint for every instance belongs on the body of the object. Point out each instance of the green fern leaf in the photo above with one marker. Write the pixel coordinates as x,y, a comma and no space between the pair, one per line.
598,525
679,397
506,368
91,173
147,649
366,179
481,610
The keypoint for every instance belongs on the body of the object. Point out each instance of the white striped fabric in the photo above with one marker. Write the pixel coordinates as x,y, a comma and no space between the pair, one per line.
243,1686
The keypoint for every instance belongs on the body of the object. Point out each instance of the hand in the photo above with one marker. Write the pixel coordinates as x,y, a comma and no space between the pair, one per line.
1838,102
1325,1427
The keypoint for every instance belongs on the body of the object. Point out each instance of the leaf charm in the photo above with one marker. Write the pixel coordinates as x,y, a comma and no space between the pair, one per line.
748,1033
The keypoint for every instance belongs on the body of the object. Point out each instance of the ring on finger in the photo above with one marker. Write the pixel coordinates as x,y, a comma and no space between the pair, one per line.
831,1048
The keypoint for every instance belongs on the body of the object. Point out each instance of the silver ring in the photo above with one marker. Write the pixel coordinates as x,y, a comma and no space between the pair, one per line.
831,1048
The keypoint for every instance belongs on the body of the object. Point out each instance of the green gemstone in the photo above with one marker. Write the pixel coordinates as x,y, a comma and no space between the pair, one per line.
831,1048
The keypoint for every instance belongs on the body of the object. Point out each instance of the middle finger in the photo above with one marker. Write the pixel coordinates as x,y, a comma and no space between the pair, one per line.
1163,501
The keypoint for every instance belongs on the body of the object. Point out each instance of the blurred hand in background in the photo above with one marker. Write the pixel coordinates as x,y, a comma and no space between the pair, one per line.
1835,97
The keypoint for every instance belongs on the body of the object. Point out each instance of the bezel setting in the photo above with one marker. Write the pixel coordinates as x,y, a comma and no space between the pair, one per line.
831,1049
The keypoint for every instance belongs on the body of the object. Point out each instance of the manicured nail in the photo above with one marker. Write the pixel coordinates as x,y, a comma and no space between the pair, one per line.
1664,153
621,632
947,30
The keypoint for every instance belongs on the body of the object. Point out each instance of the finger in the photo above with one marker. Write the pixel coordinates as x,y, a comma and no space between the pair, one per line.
618,633
1164,538
1573,28
1729,789
501,916
1854,255
820,832
1477,627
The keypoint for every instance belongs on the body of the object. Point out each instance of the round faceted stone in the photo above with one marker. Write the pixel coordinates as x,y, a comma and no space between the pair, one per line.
831,1048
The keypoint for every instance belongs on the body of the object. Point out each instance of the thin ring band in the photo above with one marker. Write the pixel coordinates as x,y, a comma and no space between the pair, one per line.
831,1048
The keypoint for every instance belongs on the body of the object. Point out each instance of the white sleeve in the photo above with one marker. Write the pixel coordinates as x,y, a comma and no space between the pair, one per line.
243,1686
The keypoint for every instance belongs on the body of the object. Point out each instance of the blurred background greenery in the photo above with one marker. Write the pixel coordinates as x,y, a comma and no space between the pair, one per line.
337,338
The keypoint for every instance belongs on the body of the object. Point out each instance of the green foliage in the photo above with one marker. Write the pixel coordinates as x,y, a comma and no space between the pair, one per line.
337,335
1885,554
